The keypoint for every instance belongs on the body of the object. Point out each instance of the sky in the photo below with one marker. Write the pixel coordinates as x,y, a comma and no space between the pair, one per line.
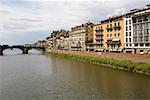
27,21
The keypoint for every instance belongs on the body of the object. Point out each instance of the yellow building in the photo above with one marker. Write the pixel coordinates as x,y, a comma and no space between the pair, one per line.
98,37
109,35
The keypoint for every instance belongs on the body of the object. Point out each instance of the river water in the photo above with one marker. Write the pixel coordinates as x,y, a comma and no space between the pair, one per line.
39,77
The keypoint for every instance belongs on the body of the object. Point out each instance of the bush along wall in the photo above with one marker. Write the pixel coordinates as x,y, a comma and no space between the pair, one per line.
128,65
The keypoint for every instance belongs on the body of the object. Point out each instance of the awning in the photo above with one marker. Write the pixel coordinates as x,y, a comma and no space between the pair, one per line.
120,50
114,50
116,40
128,49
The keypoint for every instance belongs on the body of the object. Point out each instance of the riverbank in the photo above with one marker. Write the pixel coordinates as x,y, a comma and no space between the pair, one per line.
87,57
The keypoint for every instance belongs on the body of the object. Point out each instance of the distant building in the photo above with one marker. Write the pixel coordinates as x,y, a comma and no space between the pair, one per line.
41,43
58,40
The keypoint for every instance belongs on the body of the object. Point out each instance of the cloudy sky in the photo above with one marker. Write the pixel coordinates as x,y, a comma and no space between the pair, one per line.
26,21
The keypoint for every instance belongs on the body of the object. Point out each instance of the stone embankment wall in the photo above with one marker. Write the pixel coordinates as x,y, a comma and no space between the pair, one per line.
145,58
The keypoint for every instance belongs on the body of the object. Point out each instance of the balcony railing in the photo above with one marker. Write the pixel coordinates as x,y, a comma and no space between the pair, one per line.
117,27
97,30
109,28
99,43
99,34
99,38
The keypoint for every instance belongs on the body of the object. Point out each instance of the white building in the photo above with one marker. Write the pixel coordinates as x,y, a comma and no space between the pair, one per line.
77,38
136,30
141,30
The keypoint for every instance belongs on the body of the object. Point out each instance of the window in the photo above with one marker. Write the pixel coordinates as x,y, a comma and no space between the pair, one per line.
126,33
139,19
146,38
135,39
110,25
136,45
127,45
118,34
115,34
129,21
130,45
118,23
129,27
110,35
126,39
140,38
126,28
147,44
126,22
107,26
145,18
141,44
134,20
129,39
115,24
129,33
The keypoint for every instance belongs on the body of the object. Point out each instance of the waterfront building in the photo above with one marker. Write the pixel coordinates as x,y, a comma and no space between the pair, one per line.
81,37
41,43
58,40
89,35
112,34
64,39
98,37
128,31
141,30
136,24
49,42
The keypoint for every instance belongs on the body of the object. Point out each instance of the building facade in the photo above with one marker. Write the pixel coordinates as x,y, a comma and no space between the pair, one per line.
98,37
141,31
112,34
136,24
81,37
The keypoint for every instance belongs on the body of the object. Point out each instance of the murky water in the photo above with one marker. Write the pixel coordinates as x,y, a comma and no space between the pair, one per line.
39,77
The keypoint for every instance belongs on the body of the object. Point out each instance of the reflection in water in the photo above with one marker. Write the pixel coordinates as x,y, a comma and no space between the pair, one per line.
38,77
19,51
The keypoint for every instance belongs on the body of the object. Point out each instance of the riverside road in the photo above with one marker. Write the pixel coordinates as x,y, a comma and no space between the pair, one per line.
35,76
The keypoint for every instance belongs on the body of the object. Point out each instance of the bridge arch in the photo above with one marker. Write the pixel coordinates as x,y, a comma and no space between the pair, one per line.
23,48
5,48
12,51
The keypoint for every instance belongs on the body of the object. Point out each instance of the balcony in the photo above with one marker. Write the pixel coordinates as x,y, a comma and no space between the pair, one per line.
109,28
117,27
99,38
99,34
97,30
100,43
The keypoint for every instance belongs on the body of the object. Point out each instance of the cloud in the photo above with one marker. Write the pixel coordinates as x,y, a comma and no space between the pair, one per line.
27,18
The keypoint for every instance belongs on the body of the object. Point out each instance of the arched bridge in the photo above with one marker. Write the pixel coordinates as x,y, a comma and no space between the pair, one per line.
24,49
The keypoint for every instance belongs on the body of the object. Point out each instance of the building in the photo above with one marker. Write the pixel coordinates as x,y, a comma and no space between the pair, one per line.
98,37
58,40
49,42
111,34
89,35
141,30
40,43
81,37
132,27
64,39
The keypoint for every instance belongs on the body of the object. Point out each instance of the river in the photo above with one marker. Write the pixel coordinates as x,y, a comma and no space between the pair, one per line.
39,77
